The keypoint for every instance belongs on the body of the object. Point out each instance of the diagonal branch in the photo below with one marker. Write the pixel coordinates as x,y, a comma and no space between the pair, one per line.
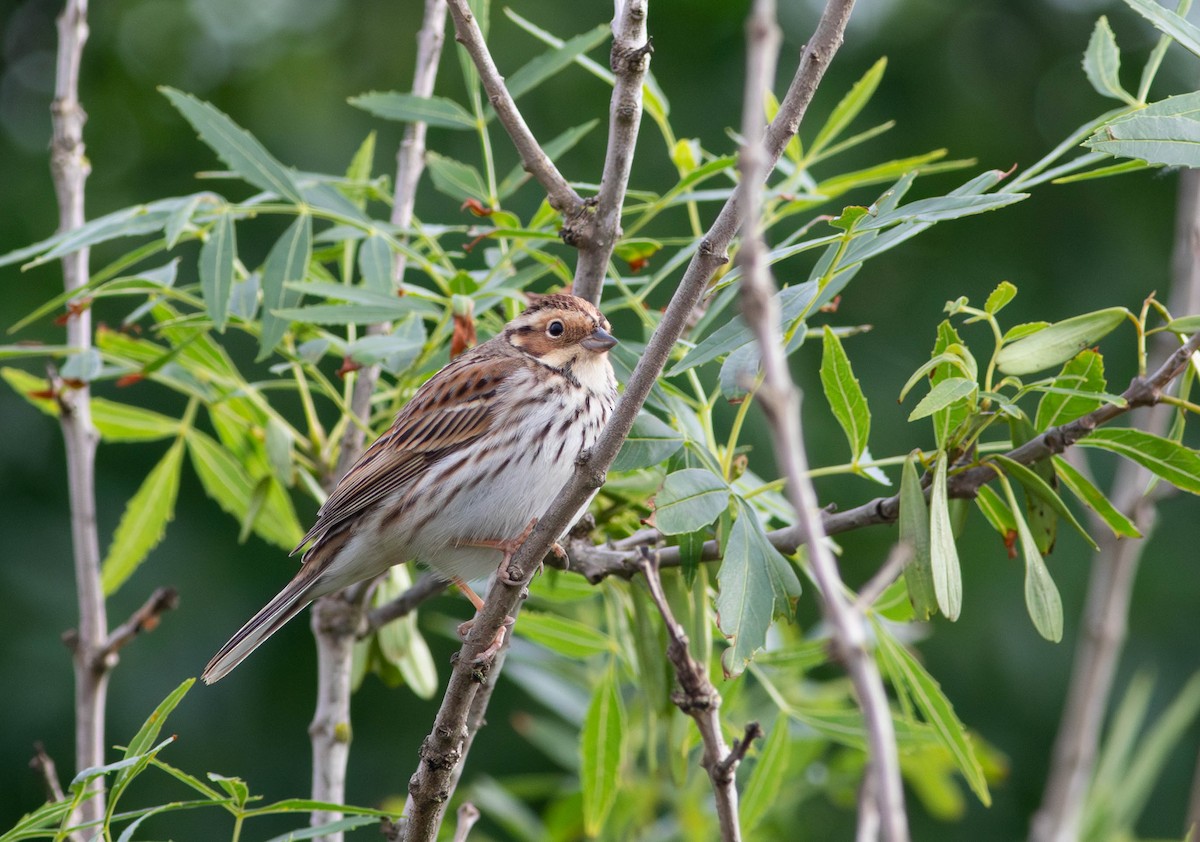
883,792
630,56
562,196
430,786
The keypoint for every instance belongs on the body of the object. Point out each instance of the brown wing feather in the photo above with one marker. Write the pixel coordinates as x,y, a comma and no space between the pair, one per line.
452,409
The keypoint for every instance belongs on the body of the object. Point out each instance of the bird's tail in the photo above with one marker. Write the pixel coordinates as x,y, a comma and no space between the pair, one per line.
286,605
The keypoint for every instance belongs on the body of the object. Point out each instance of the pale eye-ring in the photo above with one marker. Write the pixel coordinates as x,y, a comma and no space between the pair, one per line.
555,328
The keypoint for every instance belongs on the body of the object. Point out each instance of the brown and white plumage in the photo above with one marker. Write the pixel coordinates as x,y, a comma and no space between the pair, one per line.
477,452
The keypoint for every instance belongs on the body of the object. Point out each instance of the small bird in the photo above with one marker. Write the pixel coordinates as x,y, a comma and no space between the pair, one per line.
476,455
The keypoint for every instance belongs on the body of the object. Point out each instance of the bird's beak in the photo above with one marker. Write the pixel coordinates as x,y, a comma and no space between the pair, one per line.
599,340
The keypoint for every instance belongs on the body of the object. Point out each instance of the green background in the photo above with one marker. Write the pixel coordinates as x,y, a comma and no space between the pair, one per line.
998,81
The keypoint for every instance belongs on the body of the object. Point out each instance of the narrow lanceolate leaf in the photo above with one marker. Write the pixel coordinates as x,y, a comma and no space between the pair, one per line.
949,391
602,744
145,521
850,106
1083,373
935,709
1041,517
914,530
947,575
1056,344
755,584
226,481
1169,22
563,635
1034,484
650,442
1041,595
1094,499
216,269
235,146
1162,457
286,263
1102,63
844,394
375,264
1173,141
690,499
995,510
770,768
455,179
408,108
123,422
553,61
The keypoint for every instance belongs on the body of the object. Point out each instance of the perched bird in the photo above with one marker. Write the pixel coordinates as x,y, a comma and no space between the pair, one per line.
479,451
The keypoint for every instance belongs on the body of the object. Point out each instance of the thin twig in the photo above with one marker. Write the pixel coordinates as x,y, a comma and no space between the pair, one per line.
145,618
596,563
699,699
467,815
562,196
426,587
43,764
337,619
1110,584
631,50
780,402
442,750
884,576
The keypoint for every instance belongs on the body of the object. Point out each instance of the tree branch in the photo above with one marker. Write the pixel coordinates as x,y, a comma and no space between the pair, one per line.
699,699
1110,585
780,402
631,50
145,618
43,764
338,618
562,196
430,787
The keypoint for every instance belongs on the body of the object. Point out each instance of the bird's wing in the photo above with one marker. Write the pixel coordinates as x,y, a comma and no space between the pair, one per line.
454,408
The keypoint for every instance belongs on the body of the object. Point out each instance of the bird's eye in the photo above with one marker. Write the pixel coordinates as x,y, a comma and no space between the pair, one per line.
555,328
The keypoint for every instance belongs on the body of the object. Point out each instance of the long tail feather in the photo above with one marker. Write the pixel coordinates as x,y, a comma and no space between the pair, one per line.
286,605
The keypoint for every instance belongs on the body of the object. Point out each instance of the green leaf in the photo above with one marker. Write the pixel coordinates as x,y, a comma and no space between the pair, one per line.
1094,499
286,263
844,394
375,264
996,512
947,575
1041,596
122,422
1059,342
567,637
1042,517
347,314
949,391
236,146
1170,23
1035,485
408,108
935,708
850,106
755,583
1185,324
766,779
650,442
400,642
327,830
455,179
1102,63
144,740
914,530
216,269
1083,373
553,61
735,333
554,148
1173,141
999,298
144,522
601,750
689,499
942,208
226,481
1162,457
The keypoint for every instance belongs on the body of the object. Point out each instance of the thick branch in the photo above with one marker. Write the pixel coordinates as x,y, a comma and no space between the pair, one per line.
630,57
562,196
338,618
699,699
430,785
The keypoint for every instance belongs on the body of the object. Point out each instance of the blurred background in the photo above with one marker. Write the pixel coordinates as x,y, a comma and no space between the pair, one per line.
995,80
